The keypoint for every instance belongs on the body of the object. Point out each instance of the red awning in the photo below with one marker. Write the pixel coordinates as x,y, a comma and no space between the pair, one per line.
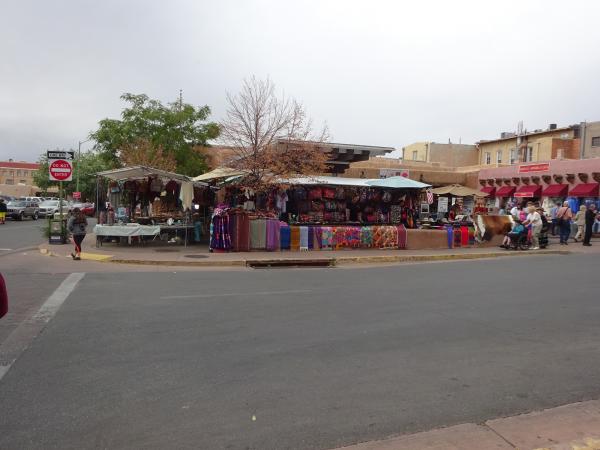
585,190
556,190
505,191
490,190
529,191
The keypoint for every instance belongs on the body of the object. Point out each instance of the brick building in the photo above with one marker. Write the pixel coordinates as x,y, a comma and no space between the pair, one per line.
17,172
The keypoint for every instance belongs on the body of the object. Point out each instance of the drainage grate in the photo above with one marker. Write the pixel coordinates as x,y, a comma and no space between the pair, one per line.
166,250
291,263
196,256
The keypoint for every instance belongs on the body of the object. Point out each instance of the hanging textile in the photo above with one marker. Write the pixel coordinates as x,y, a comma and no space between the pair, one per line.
327,237
366,237
273,234
450,235
464,236
402,237
220,232
258,234
303,238
295,238
186,195
285,237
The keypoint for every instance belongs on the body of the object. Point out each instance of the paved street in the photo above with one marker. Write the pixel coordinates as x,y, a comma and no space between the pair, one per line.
300,358
16,235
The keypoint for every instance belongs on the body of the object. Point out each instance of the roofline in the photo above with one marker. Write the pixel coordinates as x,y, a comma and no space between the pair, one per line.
571,127
338,144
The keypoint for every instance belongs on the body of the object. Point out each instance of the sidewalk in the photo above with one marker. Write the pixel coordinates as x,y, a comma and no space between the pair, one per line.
569,427
199,256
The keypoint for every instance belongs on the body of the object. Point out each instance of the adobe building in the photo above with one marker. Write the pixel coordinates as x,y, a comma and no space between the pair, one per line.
447,155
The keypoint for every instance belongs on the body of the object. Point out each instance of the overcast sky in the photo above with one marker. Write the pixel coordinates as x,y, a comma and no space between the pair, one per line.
379,72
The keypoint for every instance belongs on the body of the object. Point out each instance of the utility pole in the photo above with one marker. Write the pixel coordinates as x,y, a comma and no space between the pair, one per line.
79,162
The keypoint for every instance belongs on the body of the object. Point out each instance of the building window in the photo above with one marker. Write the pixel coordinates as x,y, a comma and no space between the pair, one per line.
9,181
23,181
415,155
488,158
529,154
596,141
499,156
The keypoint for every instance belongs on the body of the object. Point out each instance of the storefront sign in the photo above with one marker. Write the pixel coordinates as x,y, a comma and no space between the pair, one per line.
386,173
442,206
530,168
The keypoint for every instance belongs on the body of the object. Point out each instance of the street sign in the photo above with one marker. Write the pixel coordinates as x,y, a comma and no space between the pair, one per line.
60,154
60,170
76,195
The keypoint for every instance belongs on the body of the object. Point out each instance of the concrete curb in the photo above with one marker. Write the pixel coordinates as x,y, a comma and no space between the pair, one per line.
333,261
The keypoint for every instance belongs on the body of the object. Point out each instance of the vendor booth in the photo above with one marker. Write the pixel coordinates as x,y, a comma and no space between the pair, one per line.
142,203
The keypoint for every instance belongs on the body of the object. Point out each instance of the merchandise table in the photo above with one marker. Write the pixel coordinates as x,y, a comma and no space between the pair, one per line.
124,231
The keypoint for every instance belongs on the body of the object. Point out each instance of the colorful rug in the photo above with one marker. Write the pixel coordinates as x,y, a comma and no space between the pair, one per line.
402,237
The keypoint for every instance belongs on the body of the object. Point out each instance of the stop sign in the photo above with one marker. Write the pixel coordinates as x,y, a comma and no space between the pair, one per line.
61,170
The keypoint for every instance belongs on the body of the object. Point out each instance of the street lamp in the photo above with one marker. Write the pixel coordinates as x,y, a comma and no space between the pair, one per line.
79,161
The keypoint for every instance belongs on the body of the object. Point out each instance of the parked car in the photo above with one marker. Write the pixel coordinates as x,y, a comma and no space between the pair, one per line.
32,199
87,208
50,207
7,198
19,210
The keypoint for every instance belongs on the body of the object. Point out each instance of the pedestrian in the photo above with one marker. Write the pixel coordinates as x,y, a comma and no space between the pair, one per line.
534,219
563,217
590,216
3,210
77,227
553,212
580,222
514,211
545,228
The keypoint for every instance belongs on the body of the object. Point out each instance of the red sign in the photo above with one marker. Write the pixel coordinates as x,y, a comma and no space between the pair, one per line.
61,170
77,195
544,167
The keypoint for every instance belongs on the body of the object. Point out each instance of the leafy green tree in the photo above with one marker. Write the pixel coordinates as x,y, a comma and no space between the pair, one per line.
90,164
176,128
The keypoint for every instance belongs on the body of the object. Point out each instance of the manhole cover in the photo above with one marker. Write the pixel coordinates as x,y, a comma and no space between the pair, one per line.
166,250
196,256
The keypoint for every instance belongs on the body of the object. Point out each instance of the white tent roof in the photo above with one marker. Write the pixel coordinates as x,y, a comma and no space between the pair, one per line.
392,182
140,172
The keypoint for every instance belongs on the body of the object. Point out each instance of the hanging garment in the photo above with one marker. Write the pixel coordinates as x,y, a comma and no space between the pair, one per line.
318,238
311,238
402,237
284,237
303,238
327,238
186,195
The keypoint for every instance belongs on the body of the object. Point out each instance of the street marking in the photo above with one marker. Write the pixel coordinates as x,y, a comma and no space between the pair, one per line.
5,249
236,294
22,337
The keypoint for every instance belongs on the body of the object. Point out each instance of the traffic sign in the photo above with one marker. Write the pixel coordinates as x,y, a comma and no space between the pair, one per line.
60,170
60,154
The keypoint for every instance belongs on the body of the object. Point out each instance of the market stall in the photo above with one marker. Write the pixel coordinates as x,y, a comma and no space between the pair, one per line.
324,213
137,203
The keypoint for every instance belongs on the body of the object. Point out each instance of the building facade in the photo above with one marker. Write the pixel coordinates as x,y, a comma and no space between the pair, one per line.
17,172
448,155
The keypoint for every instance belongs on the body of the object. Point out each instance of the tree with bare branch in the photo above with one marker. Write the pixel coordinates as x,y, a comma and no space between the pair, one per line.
271,136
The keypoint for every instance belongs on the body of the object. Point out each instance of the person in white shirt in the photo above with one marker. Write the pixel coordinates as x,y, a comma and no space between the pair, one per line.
515,211
535,220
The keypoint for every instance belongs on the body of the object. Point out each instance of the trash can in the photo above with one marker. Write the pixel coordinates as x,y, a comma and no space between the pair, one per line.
58,231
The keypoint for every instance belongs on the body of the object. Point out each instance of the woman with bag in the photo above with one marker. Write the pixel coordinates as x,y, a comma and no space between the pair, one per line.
77,226
564,216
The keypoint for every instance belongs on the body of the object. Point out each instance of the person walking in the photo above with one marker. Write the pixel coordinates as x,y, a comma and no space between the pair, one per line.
77,226
563,217
554,225
580,222
534,219
590,216
3,210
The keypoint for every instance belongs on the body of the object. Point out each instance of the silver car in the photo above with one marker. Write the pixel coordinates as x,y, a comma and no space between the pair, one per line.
50,207
20,209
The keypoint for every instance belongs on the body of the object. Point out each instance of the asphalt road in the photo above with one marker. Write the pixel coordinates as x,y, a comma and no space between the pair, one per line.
319,358
16,235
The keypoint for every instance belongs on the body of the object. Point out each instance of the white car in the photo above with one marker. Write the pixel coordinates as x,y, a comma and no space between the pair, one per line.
50,207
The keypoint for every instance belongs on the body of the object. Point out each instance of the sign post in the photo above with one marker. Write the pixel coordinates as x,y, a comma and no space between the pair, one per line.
60,168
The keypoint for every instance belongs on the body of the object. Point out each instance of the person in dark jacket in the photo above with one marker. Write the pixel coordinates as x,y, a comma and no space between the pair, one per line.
77,226
3,210
590,216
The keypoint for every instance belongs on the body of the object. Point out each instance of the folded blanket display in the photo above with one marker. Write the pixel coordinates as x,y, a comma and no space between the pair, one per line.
284,237
366,237
303,238
295,238
402,237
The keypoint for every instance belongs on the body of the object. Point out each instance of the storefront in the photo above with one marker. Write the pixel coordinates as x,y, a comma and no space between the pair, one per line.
547,183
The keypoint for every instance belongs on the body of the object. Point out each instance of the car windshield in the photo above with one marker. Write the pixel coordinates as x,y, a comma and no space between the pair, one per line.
49,203
18,203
